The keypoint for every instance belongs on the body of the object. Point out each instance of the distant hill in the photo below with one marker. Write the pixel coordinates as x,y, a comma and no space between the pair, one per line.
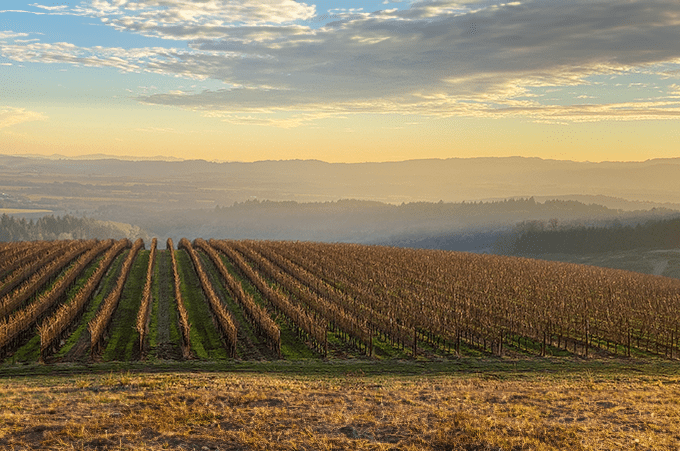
101,156
421,203
450,180
442,225
615,203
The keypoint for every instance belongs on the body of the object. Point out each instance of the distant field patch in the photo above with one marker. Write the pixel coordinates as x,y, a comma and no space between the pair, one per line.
18,211
42,197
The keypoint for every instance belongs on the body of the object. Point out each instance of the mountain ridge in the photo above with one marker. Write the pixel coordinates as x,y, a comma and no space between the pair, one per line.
165,158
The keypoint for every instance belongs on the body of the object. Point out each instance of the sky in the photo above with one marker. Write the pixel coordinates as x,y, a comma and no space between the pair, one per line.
341,81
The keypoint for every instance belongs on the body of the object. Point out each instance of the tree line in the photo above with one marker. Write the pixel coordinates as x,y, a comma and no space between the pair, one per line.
536,237
55,228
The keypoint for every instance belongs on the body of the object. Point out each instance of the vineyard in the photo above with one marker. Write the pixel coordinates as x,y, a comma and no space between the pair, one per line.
212,300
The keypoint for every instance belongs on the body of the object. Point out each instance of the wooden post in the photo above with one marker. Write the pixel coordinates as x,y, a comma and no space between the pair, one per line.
543,346
415,341
672,343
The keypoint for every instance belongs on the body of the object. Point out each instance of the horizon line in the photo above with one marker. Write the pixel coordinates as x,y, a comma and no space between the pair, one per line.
169,159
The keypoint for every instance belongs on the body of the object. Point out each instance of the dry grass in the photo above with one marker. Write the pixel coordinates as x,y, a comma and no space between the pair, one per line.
262,412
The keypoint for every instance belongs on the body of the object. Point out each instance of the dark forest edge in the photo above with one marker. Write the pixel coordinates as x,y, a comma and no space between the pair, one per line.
537,237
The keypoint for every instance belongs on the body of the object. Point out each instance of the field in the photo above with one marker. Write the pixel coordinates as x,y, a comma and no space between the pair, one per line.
472,404
289,345
91,301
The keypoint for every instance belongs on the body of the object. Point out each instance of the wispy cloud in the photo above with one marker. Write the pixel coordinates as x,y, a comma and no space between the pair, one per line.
8,34
23,11
10,116
269,118
669,74
126,60
162,130
674,91
188,19
50,8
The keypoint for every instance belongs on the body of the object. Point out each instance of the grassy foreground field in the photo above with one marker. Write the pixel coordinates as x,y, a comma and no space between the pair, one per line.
472,404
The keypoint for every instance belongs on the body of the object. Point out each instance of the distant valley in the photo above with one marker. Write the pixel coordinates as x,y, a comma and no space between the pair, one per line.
454,204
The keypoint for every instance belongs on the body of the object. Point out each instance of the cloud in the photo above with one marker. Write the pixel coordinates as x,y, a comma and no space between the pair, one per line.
670,74
243,34
188,19
50,8
405,59
674,91
157,130
10,34
624,111
265,118
126,60
22,11
10,116
438,58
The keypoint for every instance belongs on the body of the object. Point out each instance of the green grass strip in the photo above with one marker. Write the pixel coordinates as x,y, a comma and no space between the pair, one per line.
123,336
206,341
163,295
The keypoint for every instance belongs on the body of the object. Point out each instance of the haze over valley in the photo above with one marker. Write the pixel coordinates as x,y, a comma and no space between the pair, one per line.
477,205
330,201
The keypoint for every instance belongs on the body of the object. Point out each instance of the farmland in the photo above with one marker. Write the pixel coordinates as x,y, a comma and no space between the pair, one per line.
102,301
288,345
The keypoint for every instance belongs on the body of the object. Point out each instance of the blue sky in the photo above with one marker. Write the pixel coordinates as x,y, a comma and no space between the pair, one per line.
245,80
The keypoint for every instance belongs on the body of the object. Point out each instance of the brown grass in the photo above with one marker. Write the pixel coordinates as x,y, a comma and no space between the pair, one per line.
263,412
